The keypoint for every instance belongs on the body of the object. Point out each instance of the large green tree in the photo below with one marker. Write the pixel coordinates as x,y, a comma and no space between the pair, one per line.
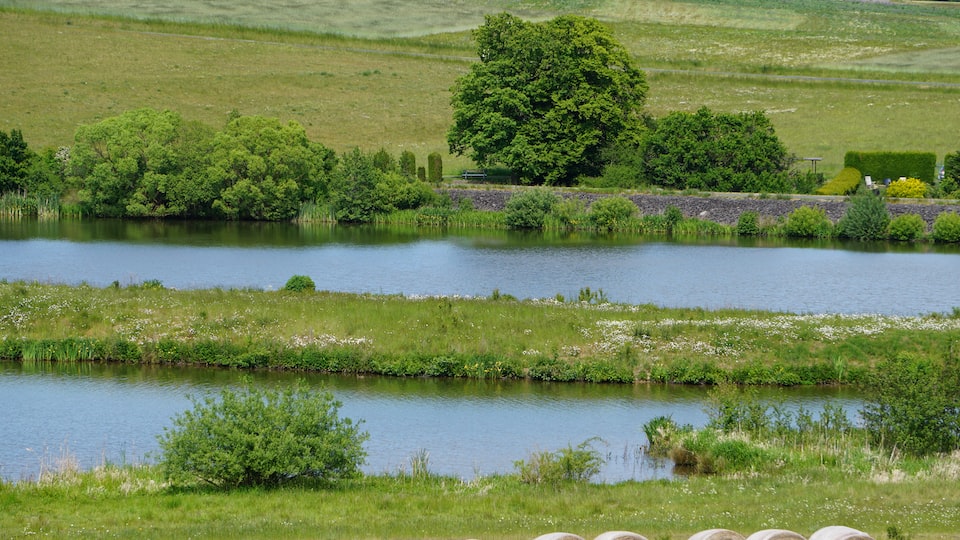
137,163
265,169
716,152
546,98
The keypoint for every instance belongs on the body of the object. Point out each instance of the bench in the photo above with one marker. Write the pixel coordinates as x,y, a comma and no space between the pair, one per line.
476,174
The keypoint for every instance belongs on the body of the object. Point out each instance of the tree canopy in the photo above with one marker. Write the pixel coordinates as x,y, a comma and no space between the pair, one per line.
149,163
546,98
715,152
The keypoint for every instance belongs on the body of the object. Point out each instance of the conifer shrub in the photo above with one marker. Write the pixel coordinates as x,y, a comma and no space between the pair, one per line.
808,222
908,188
408,164
434,168
946,228
906,227
844,183
866,218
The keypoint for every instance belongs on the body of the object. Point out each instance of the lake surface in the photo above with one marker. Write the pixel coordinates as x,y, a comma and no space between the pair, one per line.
112,413
799,277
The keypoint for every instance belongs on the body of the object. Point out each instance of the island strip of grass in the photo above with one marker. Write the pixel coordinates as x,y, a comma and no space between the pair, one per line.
557,339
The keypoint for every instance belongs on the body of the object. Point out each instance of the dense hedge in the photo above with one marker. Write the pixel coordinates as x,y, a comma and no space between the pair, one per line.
881,165
844,183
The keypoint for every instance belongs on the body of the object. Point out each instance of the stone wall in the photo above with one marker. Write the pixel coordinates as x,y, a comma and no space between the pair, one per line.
720,207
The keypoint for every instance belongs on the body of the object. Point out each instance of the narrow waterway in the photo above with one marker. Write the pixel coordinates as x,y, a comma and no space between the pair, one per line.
93,413
798,277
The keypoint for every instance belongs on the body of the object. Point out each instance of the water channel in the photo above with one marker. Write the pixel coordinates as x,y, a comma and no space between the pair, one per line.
799,277
96,413
114,413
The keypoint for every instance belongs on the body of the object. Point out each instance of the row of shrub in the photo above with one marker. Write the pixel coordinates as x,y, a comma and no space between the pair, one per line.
866,218
623,368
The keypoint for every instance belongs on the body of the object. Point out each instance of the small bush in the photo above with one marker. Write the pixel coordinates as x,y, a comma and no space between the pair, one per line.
908,188
913,405
298,283
946,228
262,438
748,224
672,216
906,227
528,209
866,218
569,464
844,183
611,213
808,222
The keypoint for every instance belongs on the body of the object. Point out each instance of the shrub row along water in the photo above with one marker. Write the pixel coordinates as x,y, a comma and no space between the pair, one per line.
347,360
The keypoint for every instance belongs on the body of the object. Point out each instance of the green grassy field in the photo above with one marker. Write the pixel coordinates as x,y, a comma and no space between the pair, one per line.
874,76
120,503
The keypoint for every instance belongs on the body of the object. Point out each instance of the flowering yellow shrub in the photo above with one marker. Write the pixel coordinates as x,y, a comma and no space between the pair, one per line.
907,188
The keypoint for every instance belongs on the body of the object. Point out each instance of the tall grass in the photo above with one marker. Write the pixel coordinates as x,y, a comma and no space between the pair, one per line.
14,206
133,502
582,339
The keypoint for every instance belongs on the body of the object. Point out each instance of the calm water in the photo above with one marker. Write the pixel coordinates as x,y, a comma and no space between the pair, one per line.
469,428
810,277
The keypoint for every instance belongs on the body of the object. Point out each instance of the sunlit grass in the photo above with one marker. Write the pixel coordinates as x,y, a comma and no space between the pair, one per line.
134,504
395,92
560,339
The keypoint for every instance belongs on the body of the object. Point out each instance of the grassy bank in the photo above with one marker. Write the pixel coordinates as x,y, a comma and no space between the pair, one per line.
559,339
133,503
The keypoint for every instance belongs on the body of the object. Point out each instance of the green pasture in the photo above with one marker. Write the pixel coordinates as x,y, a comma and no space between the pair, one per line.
833,75
135,503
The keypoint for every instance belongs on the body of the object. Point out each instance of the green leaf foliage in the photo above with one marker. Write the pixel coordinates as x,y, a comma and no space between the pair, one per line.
882,165
914,405
255,437
545,98
265,169
866,217
298,283
844,183
353,188
528,209
148,163
716,152
906,228
946,228
748,224
907,188
611,213
808,222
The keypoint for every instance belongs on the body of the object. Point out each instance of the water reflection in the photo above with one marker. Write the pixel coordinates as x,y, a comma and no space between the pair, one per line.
112,412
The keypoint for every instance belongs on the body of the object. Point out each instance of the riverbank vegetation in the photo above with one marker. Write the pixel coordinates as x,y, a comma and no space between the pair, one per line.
741,153
753,469
557,339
